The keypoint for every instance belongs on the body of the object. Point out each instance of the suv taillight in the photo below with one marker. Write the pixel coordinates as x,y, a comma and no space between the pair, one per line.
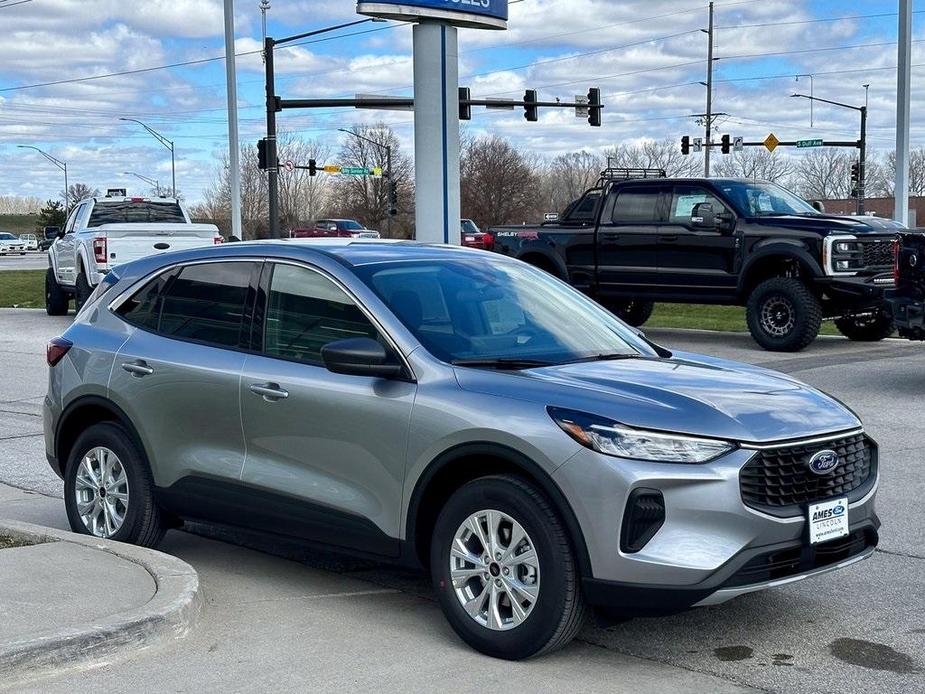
56,350
217,240
99,249
897,248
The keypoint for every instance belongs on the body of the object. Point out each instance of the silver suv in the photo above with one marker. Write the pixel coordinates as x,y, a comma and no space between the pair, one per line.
454,409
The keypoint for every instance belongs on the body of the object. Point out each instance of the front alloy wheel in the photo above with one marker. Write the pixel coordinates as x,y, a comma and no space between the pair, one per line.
102,492
495,570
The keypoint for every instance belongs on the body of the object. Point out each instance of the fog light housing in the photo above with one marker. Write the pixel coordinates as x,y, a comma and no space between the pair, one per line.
643,517
841,265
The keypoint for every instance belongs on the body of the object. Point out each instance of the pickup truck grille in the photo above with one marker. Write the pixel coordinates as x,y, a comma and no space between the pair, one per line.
878,255
779,482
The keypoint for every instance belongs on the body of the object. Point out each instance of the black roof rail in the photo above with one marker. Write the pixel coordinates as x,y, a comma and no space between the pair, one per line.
615,174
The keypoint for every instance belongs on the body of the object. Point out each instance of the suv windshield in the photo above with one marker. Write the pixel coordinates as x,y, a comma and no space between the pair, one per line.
6,236
757,199
469,227
126,211
467,311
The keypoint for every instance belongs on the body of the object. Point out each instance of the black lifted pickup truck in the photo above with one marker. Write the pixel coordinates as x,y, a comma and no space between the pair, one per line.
638,237
908,299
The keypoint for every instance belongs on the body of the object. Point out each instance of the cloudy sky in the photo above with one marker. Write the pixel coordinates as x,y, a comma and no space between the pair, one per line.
648,57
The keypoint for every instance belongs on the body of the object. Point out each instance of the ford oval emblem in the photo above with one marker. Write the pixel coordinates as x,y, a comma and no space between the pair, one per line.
823,462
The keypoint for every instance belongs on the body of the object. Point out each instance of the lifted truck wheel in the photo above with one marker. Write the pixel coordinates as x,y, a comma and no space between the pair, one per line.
783,315
84,290
632,312
56,299
870,328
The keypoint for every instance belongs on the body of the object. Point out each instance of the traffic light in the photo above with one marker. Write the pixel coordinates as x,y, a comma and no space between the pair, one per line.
686,145
393,198
465,110
726,144
531,113
594,107
856,172
262,154
312,167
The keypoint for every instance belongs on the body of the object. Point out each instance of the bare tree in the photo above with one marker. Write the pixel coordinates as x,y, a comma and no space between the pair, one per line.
499,183
302,197
568,176
757,164
653,154
19,204
916,171
825,174
80,191
366,198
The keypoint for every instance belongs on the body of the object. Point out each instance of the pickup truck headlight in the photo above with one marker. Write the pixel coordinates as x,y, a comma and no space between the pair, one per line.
612,438
843,254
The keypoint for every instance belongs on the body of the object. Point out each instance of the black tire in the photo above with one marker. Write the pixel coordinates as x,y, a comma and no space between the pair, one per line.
559,610
143,522
82,287
632,312
783,315
56,299
871,328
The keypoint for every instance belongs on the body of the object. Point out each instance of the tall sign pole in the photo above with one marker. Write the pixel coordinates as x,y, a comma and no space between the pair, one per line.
436,102
903,91
234,149
709,115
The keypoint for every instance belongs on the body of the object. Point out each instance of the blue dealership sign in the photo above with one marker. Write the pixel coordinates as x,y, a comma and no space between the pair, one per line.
486,14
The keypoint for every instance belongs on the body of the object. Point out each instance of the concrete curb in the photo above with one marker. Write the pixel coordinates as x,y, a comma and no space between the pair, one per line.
170,614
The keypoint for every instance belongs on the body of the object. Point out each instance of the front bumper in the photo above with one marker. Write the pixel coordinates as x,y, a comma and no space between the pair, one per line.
710,548
858,292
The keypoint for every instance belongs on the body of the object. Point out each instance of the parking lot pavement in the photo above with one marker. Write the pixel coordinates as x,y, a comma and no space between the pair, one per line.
32,260
860,629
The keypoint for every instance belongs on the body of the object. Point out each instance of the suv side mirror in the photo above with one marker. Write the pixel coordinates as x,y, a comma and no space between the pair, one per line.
818,206
60,233
703,216
359,356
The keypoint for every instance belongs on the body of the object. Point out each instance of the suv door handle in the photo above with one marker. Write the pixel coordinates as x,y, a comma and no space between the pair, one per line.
270,392
138,368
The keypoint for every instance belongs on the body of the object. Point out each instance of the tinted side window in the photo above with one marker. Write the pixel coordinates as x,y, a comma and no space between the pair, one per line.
638,206
306,311
207,303
144,308
583,209
686,198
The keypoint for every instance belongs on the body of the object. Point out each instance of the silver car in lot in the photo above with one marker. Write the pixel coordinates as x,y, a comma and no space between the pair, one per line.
451,409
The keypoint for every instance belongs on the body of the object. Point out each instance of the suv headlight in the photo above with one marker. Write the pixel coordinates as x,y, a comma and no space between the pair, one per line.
612,438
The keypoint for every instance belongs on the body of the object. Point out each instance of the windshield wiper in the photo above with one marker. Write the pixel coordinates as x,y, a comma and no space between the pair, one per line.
512,363
616,356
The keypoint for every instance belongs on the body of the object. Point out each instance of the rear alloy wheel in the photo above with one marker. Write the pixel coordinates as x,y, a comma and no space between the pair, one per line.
108,489
56,299
632,312
783,315
873,327
504,570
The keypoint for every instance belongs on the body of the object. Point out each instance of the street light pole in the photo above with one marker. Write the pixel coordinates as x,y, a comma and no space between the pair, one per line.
234,149
61,165
150,181
269,44
862,144
388,174
169,145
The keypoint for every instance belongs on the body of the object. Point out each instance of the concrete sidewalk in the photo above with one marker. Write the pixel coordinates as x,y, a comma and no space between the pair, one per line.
70,600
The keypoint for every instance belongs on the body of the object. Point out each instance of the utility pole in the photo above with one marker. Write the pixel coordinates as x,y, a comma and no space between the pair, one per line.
234,149
903,92
709,115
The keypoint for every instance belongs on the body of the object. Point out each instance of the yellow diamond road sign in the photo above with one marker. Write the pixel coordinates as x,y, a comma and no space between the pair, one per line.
771,142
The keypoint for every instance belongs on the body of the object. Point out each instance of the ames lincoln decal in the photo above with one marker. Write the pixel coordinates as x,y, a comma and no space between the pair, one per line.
486,14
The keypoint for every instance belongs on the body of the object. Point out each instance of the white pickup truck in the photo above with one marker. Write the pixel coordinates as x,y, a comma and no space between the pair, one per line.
103,232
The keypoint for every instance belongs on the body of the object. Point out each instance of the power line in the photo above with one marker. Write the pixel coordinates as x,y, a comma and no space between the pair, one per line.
814,21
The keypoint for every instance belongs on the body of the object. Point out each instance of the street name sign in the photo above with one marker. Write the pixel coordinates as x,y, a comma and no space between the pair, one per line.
809,143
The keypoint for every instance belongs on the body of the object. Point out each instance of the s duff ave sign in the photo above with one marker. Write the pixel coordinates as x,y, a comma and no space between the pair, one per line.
478,14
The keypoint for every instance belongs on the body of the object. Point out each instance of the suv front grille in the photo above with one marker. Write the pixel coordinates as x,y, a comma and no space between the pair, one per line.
878,256
778,481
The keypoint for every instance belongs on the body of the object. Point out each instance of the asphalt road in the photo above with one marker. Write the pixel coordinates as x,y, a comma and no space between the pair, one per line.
32,260
860,629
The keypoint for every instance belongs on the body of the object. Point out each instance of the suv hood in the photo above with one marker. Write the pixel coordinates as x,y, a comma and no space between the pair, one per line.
688,394
825,224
